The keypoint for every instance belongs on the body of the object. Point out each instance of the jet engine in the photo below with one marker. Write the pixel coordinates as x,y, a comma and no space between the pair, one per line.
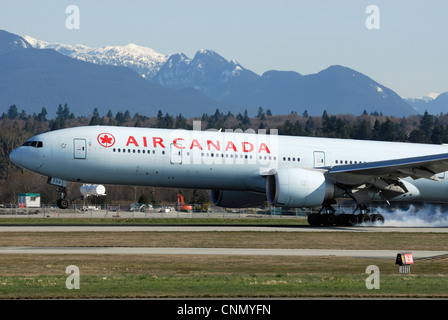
297,187
237,199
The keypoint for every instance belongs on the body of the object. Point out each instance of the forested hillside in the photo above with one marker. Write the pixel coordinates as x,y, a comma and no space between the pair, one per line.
17,126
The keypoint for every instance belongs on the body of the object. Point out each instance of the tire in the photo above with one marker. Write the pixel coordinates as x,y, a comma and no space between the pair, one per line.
351,220
313,219
364,218
63,203
329,219
378,219
340,219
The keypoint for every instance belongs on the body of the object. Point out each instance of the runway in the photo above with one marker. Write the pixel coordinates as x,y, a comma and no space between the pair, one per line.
220,228
380,254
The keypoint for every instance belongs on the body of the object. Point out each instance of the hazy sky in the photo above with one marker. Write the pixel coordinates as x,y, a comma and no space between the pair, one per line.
408,53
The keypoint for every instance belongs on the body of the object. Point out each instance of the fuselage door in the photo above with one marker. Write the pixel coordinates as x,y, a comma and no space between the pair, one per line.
319,159
80,148
176,153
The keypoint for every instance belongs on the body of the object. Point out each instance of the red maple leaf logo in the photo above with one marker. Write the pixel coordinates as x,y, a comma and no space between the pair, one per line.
106,140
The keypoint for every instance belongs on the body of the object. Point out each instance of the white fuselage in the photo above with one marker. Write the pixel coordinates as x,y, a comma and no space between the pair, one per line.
202,159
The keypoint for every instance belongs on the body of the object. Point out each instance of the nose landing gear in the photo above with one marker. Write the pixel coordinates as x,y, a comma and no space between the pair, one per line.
62,203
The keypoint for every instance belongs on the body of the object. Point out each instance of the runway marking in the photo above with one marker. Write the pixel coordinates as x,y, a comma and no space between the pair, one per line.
442,257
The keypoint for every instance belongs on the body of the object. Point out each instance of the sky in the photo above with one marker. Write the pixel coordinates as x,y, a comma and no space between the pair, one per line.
401,44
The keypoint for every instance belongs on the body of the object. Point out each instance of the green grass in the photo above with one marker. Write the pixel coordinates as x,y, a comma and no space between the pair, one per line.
228,285
29,276
199,276
231,239
152,221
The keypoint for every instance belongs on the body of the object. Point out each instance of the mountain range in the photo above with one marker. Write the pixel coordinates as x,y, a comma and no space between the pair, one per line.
35,73
434,103
145,61
34,78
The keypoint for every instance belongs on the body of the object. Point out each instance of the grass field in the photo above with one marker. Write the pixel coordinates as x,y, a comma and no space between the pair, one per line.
30,220
197,276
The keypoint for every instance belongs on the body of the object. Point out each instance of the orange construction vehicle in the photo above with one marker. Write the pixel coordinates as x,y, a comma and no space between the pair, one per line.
181,206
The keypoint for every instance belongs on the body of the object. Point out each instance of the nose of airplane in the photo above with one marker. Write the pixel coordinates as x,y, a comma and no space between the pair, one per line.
16,156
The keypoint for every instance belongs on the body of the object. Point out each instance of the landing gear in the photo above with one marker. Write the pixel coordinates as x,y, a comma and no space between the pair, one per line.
378,218
62,202
327,217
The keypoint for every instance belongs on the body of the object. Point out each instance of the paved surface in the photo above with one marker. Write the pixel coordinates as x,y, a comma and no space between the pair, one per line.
384,254
185,228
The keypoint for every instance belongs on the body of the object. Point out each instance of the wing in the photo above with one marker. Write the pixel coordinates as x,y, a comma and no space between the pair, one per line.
384,177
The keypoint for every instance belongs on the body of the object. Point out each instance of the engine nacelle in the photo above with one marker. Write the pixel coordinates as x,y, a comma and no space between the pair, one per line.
297,187
237,199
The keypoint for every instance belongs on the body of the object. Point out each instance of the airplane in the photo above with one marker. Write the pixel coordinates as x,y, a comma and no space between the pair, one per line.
244,169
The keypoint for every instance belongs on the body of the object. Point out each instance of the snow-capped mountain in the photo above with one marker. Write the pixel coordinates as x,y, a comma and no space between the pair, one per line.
145,61
33,78
208,78
434,103
431,96
207,72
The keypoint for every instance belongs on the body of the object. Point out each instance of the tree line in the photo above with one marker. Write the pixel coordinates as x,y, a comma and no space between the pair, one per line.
17,126
424,128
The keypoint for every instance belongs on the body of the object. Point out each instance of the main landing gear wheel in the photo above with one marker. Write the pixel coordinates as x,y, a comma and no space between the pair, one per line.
377,218
343,219
327,217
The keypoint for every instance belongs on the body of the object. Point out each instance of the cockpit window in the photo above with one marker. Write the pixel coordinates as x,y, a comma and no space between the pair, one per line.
34,144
